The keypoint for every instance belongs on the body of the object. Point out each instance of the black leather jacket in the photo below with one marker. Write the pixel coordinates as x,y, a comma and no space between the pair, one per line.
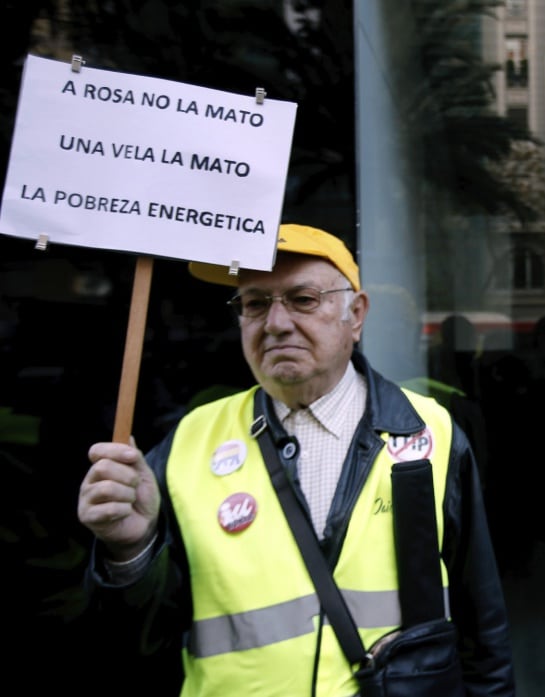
153,611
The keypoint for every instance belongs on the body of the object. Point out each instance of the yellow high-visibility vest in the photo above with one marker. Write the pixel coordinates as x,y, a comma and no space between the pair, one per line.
256,625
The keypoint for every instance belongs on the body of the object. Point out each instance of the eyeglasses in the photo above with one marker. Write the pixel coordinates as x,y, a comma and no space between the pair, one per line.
301,299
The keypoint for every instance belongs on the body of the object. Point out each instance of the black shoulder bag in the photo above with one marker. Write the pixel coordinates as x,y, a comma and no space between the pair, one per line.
421,658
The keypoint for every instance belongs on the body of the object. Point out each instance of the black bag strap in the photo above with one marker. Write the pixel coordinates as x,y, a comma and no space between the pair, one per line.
331,598
415,537
421,594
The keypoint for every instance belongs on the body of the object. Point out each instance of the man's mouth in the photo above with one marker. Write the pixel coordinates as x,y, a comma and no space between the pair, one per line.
284,348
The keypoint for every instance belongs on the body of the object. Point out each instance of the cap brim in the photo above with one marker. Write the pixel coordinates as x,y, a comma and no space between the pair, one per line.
213,273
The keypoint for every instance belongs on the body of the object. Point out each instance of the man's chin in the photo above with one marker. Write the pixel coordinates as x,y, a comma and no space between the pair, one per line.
285,374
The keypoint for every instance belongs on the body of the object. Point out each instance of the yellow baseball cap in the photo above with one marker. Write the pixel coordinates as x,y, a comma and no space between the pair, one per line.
297,239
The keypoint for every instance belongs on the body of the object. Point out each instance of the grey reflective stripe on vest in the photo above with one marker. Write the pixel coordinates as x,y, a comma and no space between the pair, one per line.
379,609
250,630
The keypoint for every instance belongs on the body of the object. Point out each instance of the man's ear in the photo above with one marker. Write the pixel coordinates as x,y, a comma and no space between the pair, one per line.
359,308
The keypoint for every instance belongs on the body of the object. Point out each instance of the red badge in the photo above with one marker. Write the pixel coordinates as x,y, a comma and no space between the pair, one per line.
237,512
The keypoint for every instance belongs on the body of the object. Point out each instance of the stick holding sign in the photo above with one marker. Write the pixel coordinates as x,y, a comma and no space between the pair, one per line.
134,342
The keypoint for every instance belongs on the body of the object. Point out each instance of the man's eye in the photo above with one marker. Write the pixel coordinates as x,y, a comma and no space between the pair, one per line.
303,300
254,304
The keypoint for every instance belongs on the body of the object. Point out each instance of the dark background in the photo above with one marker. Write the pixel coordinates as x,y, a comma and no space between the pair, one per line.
64,311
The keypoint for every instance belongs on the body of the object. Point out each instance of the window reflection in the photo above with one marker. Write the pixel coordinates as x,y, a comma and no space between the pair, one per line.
516,64
515,8
520,269
452,215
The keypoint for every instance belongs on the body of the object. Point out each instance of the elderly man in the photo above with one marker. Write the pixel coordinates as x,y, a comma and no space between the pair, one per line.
194,552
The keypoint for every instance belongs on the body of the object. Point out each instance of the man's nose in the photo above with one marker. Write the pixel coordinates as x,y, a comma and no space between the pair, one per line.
278,315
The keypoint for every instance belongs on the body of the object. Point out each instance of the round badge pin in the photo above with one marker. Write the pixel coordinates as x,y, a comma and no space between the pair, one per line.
228,457
237,512
417,446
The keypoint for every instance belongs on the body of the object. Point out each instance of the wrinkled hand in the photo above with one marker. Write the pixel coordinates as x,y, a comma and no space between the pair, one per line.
119,499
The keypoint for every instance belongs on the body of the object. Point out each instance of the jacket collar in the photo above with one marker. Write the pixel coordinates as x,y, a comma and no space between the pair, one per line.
387,409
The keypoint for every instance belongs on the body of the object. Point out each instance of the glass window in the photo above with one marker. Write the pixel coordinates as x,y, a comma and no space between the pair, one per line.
519,270
516,62
515,8
452,247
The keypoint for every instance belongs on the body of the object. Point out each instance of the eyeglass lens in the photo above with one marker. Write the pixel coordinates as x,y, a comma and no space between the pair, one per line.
300,299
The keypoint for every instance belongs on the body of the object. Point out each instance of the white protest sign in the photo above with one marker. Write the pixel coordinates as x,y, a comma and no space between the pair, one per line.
126,162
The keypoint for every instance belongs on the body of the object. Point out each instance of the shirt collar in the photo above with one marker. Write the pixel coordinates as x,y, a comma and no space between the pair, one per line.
331,409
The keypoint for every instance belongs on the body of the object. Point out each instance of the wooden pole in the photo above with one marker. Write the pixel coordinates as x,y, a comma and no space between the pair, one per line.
134,342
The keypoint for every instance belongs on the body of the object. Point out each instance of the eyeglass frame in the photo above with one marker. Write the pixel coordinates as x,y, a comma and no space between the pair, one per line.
235,303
